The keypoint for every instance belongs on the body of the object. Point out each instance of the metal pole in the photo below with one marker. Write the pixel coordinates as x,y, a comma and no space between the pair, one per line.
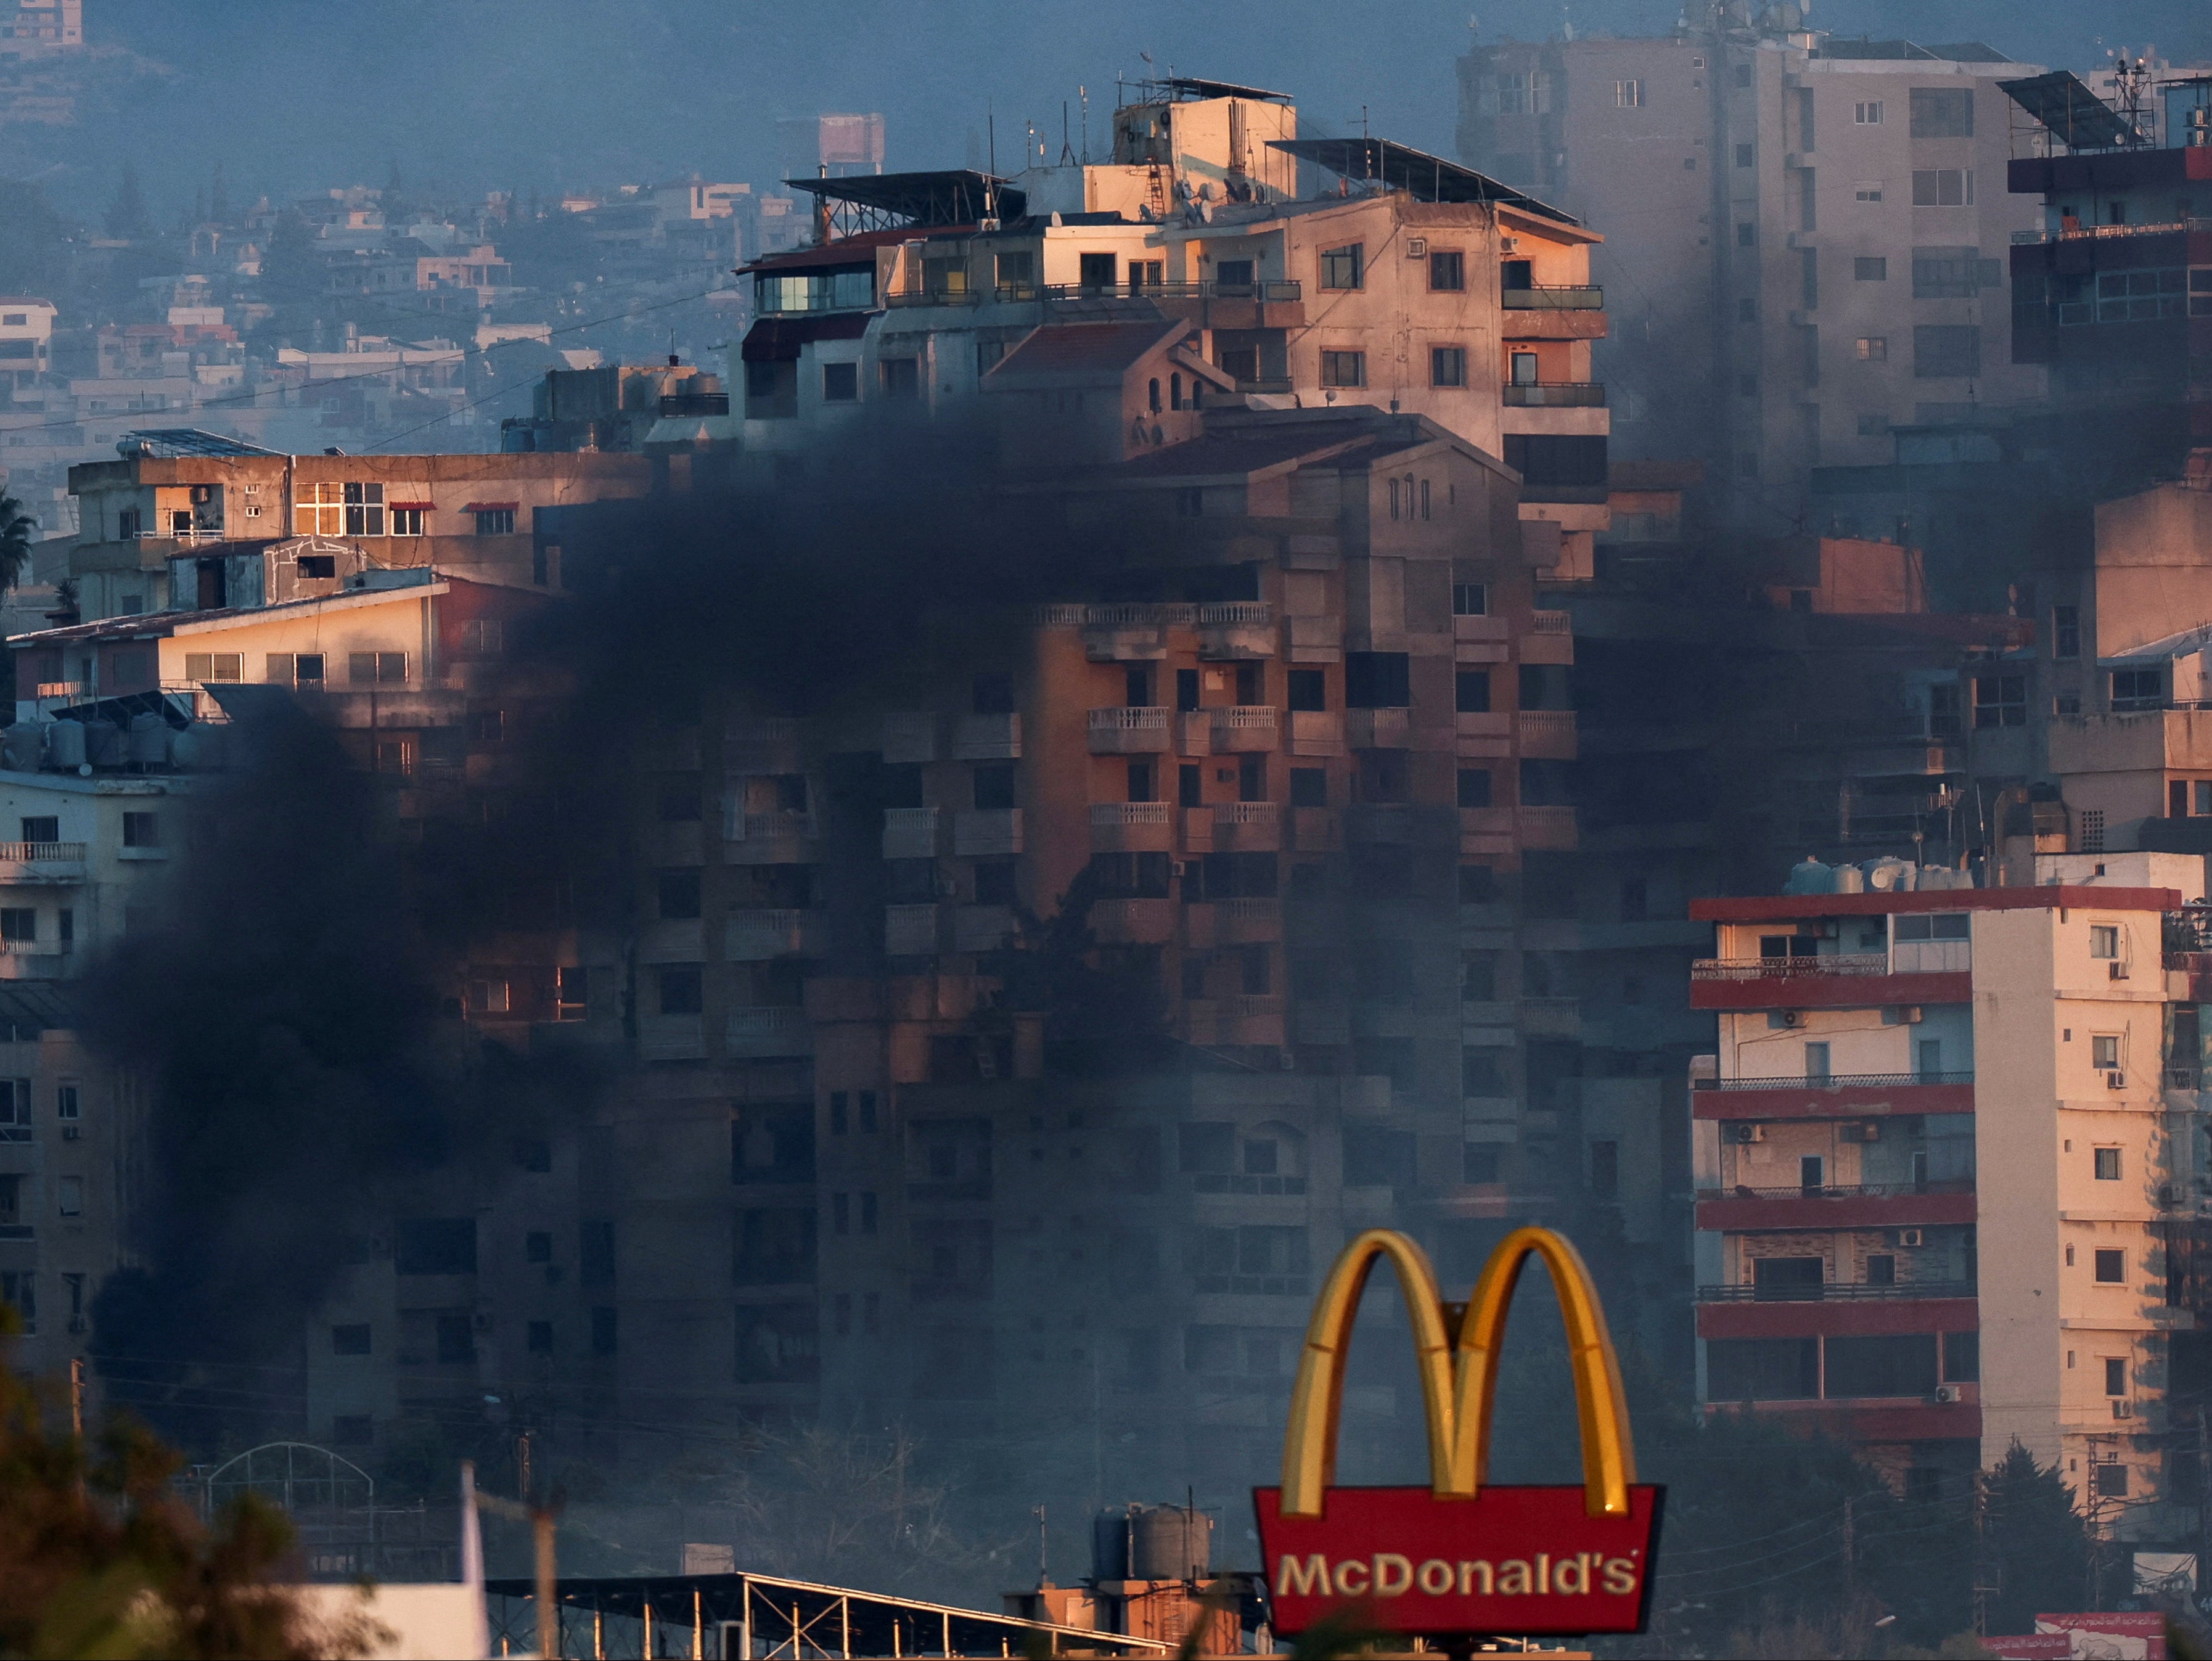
76,1410
648,1624
549,1609
698,1629
599,1635
745,1620
845,1627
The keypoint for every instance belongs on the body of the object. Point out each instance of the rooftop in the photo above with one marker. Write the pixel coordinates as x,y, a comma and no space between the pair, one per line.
166,443
1790,908
1424,177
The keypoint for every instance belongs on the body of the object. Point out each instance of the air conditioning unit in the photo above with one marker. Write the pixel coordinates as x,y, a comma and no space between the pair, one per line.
1417,247
1789,1017
2116,1081
2124,1410
1911,1237
1748,1133
2116,972
1508,244
1947,1393
202,493
71,1133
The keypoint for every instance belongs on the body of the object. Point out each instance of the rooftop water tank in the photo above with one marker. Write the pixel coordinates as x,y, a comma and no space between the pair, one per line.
1167,1542
23,745
65,745
150,739
103,743
1849,879
1809,876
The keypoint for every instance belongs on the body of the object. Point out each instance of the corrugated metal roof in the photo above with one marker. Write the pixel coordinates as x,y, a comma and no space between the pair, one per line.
777,339
1086,348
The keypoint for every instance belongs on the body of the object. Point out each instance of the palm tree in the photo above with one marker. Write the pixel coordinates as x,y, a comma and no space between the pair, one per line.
15,528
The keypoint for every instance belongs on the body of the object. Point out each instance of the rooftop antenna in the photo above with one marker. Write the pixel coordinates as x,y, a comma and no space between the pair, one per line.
991,179
1066,151
1083,94
673,361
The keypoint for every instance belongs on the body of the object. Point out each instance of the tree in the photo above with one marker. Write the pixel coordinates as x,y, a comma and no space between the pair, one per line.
33,240
2035,1549
99,1557
126,216
15,528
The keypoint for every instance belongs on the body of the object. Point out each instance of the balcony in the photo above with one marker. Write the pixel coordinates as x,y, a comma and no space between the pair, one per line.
1131,633
1553,828
986,832
1247,922
1236,629
1132,922
1838,1095
1551,1018
759,936
910,931
1832,1292
909,736
1129,732
671,1038
1316,732
767,1031
1547,733
1242,727
746,733
1858,1205
1839,982
1248,827
1377,729
1551,300
909,833
1131,827
30,864
1559,395
988,737
783,826
981,928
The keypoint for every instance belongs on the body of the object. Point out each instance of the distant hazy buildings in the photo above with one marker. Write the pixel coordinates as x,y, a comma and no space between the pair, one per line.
1806,235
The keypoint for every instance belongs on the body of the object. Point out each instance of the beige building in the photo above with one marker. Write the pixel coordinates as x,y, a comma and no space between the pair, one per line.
1410,285
1806,235
1950,1160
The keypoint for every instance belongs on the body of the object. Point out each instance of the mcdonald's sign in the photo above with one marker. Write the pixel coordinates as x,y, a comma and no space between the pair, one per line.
1459,1556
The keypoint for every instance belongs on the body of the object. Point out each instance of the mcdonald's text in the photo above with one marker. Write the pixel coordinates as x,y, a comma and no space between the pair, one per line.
1511,1559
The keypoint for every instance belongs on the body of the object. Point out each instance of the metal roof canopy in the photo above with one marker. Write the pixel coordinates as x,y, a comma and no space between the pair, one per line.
2076,116
800,1620
889,201
165,443
1197,87
1424,177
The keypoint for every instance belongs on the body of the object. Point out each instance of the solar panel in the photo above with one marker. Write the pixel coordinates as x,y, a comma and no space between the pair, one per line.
1399,167
2074,115
166,442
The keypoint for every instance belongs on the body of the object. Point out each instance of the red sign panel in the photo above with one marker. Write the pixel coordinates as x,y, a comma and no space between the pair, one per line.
1528,1560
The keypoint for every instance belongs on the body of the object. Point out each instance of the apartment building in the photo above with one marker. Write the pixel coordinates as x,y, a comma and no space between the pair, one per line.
490,517
1942,1151
1806,235
1412,284
26,334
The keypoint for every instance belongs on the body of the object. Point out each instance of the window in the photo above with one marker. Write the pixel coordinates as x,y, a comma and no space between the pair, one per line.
1943,113
1096,270
841,382
1447,271
487,726
1868,113
539,1335
1526,368
2066,631
1942,187
1343,368
1872,349
993,787
679,894
2116,1376
2138,689
69,1195
1888,1366
1999,701
1747,234
1628,94
1477,884
19,923
1377,680
1869,191
1447,365
317,510
494,521
1308,787
350,1339
377,668
203,667
681,991
1744,156
2112,1267
2105,1050
1474,787
537,1247
2109,1481
68,1099
364,510
603,1332
142,830
2107,1165
899,377
1470,599
405,522
1344,268
482,636
489,997
1471,691
2104,940
1870,268
1762,1369
1308,689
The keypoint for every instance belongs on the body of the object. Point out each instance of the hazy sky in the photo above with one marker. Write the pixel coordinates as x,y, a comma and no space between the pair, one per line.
292,95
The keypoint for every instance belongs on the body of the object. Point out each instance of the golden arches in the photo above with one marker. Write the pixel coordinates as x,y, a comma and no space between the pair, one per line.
1458,1370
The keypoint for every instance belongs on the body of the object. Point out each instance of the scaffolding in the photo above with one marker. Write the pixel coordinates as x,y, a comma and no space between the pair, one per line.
764,1617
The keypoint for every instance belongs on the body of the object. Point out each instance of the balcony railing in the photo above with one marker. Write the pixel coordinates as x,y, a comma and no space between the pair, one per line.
1552,300
1836,1081
1278,291
1551,622
1771,969
1832,1292
33,852
1560,395
1844,1190
2097,233
1114,815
